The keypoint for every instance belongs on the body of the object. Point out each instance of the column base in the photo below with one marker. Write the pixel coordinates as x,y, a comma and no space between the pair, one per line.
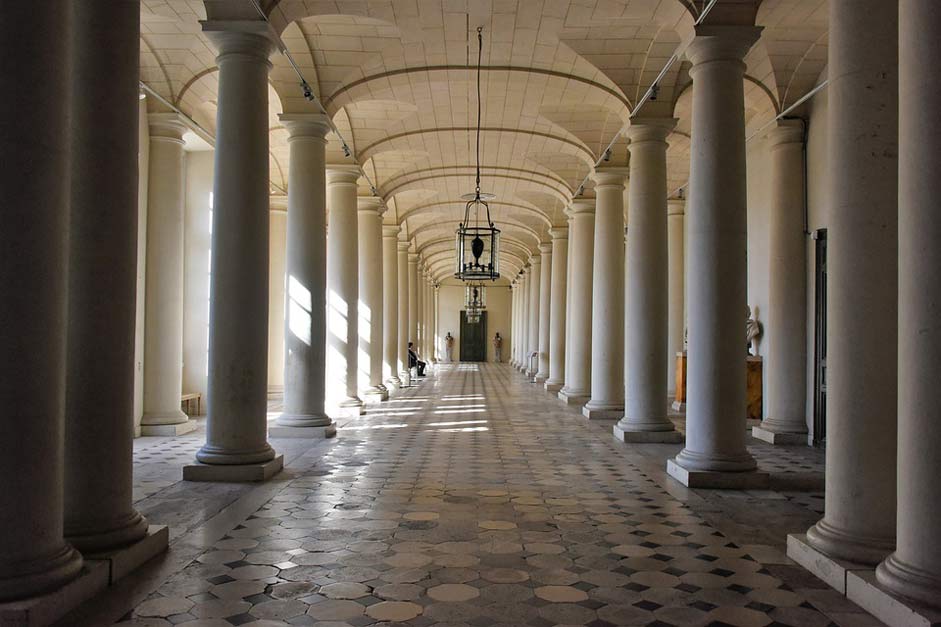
393,383
48,608
719,479
671,436
553,386
310,433
238,473
598,411
375,395
163,418
678,406
570,397
778,438
352,407
126,560
540,379
180,428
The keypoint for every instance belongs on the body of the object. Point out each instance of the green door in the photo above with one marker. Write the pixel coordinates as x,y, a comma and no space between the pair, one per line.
473,338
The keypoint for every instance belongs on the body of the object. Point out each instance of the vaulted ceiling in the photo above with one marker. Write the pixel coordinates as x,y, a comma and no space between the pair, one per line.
560,80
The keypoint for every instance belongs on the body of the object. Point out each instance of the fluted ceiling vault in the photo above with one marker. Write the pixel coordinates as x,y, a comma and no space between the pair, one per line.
560,80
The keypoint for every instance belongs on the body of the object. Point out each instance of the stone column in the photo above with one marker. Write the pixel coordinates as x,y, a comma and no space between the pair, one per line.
514,314
305,355
524,320
390,307
715,452
419,311
403,307
858,524
914,570
532,330
34,226
577,388
607,298
370,299
646,358
99,398
236,430
676,287
785,367
568,300
545,286
343,289
559,271
413,313
163,318
435,342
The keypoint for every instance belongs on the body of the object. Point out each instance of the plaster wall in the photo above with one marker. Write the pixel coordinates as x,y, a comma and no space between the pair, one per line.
276,267
450,304
197,219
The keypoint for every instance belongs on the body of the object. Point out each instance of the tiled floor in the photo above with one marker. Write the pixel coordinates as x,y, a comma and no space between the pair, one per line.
475,499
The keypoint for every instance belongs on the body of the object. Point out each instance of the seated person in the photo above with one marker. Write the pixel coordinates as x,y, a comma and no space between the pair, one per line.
414,362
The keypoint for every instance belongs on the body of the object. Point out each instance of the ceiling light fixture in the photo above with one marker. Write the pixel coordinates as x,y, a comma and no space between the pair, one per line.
477,244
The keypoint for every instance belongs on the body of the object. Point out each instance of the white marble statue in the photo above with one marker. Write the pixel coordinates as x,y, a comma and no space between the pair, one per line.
753,331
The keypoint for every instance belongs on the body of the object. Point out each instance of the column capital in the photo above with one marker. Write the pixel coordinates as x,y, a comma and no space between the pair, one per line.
413,258
391,231
535,260
581,205
559,232
676,206
786,132
610,177
306,125
643,130
402,247
167,126
343,174
371,205
721,43
241,37
545,248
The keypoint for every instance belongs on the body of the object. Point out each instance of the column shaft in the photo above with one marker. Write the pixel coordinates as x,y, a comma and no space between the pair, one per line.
557,306
914,570
99,398
343,289
163,317
535,277
524,318
545,293
34,42
858,524
715,416
370,299
403,306
785,421
568,301
236,429
647,312
607,298
577,387
305,281
390,306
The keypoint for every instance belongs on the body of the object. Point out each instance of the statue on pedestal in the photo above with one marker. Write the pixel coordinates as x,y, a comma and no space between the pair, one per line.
753,331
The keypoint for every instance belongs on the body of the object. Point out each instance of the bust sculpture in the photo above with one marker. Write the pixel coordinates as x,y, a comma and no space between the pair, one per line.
752,331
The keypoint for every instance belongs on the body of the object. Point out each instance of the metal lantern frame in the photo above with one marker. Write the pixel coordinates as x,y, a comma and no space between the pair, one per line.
477,241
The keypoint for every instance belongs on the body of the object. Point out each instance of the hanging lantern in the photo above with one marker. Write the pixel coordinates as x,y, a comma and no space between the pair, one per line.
477,242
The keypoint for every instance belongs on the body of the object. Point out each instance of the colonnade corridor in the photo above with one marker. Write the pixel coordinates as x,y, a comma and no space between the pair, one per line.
472,498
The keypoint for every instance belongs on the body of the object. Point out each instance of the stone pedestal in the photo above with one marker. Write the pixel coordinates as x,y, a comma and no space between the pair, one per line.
753,387
679,399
